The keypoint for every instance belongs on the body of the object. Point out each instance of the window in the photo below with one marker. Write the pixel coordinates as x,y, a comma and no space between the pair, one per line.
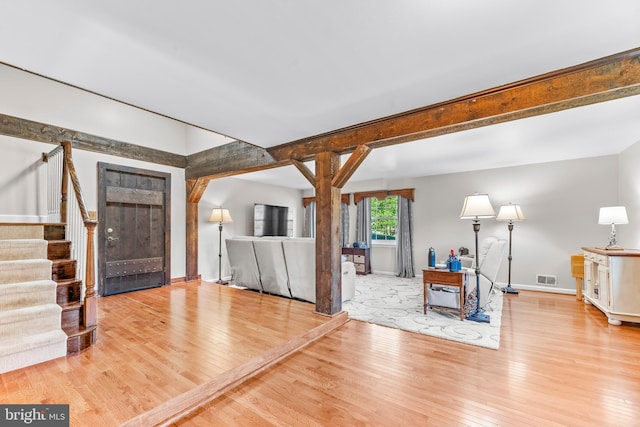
384,219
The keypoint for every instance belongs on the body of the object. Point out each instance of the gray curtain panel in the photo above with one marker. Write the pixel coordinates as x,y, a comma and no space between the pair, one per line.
404,246
344,219
309,229
363,221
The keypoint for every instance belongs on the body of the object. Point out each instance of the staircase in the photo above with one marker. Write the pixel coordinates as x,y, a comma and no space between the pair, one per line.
69,289
41,308
30,319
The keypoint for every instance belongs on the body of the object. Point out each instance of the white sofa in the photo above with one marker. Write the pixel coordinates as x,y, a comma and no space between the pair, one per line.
244,265
281,266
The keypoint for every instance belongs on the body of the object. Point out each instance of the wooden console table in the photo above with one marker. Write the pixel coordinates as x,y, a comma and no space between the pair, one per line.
611,283
434,276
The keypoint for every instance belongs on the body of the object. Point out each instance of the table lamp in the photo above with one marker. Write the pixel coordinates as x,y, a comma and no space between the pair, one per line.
613,215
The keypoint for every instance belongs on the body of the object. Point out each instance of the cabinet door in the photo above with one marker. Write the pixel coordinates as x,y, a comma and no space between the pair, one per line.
589,279
604,285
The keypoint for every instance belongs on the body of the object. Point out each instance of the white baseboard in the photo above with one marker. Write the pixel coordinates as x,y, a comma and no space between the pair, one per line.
215,279
538,288
24,218
388,273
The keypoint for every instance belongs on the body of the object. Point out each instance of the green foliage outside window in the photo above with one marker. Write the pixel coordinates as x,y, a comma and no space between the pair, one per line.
384,219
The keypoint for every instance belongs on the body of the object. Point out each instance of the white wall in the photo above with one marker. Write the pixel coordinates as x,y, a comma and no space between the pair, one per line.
22,174
560,201
238,196
629,196
35,98
22,180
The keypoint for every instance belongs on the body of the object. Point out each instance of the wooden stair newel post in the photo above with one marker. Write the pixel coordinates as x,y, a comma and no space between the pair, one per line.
328,253
90,309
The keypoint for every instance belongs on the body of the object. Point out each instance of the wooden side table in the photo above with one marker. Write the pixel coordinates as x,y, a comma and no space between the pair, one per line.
360,257
432,276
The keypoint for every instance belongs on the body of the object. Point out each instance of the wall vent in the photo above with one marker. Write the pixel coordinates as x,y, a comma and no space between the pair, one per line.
546,280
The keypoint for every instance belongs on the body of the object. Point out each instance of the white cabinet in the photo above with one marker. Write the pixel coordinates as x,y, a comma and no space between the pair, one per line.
612,283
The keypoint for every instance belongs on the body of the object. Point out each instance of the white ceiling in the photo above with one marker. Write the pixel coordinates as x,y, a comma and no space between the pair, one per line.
269,72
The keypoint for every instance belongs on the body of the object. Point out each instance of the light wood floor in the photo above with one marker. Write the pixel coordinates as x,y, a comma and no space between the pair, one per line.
559,363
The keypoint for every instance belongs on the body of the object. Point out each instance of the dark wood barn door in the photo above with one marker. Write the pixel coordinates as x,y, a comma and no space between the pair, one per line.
133,229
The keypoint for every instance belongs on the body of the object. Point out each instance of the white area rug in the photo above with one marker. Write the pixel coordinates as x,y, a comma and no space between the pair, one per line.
397,303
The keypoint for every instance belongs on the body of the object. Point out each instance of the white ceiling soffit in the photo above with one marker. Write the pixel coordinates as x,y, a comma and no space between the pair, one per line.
269,72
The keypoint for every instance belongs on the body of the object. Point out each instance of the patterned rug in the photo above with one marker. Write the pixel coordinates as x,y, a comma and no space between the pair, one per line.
397,303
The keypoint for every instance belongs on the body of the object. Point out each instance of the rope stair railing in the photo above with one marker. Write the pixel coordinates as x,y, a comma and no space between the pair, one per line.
69,208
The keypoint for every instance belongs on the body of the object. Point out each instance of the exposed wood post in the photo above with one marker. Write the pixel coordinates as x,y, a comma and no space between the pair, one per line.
195,189
90,309
328,253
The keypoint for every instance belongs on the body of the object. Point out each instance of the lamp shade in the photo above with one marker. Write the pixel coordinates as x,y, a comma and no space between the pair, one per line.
220,215
477,206
613,215
510,212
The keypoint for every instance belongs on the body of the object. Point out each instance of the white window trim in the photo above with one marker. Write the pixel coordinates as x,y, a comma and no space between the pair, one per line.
384,242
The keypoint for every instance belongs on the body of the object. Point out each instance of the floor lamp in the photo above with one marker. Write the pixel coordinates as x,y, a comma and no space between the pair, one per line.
510,213
220,216
475,207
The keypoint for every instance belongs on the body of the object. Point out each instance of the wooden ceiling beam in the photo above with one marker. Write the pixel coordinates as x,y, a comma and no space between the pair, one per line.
605,79
35,131
230,159
350,166
197,189
305,171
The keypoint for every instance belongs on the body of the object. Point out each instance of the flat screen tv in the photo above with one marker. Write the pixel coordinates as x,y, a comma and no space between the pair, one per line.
270,220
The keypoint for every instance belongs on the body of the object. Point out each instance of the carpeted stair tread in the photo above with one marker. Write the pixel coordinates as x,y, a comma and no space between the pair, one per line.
30,317
27,294
27,351
14,345
21,231
29,320
24,270
15,249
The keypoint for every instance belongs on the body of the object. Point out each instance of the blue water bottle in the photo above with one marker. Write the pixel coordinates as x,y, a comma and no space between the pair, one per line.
432,257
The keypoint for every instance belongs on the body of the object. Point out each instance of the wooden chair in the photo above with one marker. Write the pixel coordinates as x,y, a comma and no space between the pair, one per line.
577,271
